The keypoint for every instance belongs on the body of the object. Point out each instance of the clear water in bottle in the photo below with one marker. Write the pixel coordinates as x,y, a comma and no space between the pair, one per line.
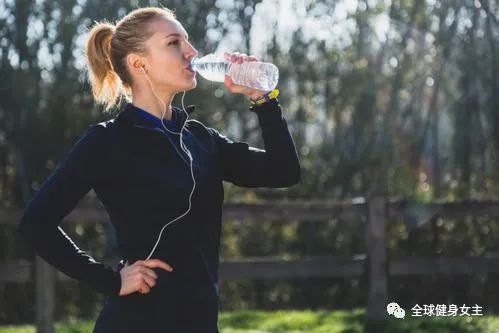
253,74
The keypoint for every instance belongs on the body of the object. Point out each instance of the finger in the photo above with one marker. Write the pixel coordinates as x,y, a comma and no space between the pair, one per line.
228,82
144,264
234,88
241,58
143,288
149,280
229,56
153,263
252,58
235,57
139,262
149,272
159,263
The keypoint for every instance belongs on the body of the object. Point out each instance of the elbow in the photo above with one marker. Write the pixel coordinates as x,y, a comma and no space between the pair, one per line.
292,177
294,171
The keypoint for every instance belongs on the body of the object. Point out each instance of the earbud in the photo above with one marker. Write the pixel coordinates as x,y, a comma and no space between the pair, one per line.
143,70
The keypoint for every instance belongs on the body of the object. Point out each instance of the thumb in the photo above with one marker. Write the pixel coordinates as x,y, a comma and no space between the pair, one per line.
233,87
228,82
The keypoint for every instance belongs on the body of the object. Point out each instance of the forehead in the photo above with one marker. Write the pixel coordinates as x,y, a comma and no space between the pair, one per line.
162,27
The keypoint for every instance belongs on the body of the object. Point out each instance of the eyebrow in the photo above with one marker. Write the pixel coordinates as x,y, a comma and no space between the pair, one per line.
177,35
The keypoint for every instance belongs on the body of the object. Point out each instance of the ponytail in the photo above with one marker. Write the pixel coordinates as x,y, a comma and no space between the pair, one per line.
106,84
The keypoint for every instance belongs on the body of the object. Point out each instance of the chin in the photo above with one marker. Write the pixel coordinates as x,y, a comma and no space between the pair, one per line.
186,85
191,85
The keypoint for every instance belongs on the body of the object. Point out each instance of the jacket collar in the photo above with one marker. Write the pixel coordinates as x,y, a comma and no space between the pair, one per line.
132,118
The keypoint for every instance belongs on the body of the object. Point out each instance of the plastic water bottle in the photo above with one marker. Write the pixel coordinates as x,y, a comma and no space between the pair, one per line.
252,74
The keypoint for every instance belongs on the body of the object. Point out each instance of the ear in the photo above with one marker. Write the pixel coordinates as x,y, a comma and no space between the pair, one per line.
135,63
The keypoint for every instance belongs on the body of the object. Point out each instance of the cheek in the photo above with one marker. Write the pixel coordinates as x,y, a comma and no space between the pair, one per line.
164,69
163,57
169,62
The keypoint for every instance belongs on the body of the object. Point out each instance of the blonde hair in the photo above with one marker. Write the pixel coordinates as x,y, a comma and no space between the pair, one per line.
106,50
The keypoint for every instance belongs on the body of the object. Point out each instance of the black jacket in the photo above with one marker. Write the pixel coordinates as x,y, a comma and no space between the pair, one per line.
137,173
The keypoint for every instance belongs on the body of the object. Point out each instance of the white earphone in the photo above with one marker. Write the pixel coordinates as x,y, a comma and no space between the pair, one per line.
185,150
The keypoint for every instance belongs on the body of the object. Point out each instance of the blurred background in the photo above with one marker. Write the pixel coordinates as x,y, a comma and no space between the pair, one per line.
389,99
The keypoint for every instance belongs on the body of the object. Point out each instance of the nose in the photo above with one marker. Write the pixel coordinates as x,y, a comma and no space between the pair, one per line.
191,52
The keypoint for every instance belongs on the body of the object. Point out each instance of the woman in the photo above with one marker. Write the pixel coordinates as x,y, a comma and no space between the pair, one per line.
158,175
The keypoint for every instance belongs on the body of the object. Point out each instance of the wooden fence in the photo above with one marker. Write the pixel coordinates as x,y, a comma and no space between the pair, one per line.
375,211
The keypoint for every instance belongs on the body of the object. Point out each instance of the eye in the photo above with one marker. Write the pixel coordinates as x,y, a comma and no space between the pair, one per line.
174,42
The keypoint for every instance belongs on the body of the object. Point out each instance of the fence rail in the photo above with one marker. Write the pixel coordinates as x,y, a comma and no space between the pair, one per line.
374,265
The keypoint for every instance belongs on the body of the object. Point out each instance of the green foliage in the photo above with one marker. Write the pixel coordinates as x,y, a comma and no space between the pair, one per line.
310,322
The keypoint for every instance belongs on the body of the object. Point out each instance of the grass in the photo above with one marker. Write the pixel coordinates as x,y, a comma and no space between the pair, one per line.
310,322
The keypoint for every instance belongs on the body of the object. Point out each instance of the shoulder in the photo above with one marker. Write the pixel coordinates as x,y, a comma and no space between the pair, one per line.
103,132
85,145
93,134
93,139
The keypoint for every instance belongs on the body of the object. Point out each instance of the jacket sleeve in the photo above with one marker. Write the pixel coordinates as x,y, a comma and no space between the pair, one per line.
56,198
275,166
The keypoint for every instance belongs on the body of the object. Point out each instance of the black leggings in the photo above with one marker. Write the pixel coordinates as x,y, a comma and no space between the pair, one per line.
149,313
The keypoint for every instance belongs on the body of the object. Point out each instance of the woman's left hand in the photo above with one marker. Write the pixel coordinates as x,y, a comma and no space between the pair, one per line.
239,58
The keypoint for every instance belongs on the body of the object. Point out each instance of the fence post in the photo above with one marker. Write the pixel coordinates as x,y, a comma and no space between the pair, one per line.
376,251
45,296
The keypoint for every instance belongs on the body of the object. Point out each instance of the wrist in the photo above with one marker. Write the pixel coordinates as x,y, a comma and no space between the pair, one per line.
270,95
256,94
266,109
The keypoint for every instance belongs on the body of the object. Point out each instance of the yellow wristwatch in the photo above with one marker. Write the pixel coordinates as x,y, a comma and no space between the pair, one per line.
265,98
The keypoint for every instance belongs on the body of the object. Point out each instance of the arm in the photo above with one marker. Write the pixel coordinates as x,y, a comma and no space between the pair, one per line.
56,198
275,166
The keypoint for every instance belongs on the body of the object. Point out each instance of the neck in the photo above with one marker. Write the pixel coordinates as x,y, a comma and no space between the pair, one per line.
147,101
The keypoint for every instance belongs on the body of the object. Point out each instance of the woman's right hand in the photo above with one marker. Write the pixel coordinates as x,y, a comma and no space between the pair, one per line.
139,276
